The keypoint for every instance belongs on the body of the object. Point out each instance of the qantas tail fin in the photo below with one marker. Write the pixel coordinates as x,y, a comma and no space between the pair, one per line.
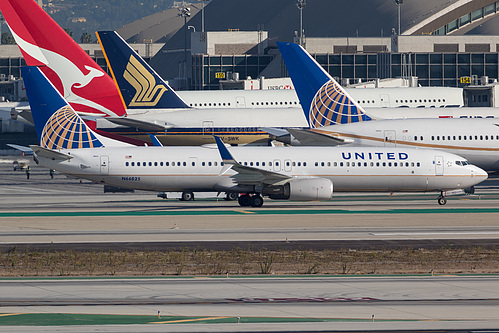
140,86
58,126
44,43
323,100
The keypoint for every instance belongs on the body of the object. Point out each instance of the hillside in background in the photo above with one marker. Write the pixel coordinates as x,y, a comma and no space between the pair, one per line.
88,16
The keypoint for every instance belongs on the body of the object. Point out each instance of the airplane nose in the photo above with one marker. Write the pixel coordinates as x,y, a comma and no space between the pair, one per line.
480,174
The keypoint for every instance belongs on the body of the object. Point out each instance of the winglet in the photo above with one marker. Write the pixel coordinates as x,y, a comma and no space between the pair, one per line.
227,158
155,141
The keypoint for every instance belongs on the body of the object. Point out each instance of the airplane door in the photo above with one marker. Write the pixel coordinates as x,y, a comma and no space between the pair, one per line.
240,102
104,165
390,138
439,165
277,165
207,130
385,100
287,165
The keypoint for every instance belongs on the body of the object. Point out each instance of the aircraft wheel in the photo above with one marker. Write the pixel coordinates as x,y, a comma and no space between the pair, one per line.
441,201
244,200
187,196
256,201
231,196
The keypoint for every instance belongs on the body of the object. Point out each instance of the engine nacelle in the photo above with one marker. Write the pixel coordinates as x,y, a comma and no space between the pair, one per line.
306,189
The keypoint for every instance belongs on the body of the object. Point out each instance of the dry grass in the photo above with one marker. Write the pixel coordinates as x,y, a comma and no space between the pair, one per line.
248,262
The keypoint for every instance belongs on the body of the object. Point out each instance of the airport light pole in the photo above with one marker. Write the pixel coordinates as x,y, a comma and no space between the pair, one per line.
399,4
301,4
185,12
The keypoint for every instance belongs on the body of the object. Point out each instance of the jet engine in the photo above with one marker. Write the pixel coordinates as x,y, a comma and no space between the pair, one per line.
301,189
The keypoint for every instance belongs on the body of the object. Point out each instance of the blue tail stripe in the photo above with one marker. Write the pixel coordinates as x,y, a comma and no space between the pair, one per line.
140,86
323,100
57,124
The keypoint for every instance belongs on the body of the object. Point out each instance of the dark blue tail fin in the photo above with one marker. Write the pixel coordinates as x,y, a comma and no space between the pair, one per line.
323,100
140,86
57,124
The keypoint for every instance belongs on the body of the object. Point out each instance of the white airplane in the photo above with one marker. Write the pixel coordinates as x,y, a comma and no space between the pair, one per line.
68,145
335,118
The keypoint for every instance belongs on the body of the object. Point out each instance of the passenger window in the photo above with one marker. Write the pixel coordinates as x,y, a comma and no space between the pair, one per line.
322,163
316,163
418,164
347,164
384,164
353,164
389,164
216,163
193,163
203,163
258,164
185,164
126,163
395,164
167,163
299,163
245,163
341,164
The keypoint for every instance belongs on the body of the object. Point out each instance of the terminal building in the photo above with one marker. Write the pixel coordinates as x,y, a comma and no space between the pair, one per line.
441,42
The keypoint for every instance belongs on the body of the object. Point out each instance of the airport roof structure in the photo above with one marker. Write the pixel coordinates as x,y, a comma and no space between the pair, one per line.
361,18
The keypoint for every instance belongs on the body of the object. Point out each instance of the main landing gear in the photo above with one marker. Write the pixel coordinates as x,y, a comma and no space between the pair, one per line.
253,200
187,196
441,199
231,196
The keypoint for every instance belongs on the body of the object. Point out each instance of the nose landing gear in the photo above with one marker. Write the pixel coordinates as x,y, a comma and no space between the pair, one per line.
441,199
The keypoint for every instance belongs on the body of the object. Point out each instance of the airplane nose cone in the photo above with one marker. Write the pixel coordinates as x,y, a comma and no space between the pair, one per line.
479,174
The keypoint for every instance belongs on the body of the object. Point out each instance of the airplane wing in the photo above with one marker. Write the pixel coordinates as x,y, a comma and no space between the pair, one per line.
317,137
248,175
48,153
141,124
24,149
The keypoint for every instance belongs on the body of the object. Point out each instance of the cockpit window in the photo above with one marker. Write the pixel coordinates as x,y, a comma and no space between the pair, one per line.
462,163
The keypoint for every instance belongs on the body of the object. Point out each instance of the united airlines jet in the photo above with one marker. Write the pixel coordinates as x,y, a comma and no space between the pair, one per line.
336,119
68,145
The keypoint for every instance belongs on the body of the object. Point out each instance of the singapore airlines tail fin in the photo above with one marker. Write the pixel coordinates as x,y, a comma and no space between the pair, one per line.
323,100
44,43
58,126
140,86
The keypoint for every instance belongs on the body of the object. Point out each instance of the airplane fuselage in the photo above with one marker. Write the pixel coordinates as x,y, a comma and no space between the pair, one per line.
477,140
199,168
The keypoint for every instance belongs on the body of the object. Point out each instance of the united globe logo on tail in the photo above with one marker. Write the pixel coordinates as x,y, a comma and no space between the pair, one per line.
331,106
66,130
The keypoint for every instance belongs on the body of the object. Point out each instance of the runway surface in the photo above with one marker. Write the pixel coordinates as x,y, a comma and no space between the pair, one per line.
67,213
279,303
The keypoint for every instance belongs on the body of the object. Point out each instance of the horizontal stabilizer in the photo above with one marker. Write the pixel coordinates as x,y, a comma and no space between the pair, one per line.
314,137
140,124
24,149
48,153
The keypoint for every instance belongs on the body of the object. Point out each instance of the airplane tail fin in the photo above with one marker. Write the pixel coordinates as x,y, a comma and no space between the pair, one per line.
323,100
70,69
140,86
58,126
